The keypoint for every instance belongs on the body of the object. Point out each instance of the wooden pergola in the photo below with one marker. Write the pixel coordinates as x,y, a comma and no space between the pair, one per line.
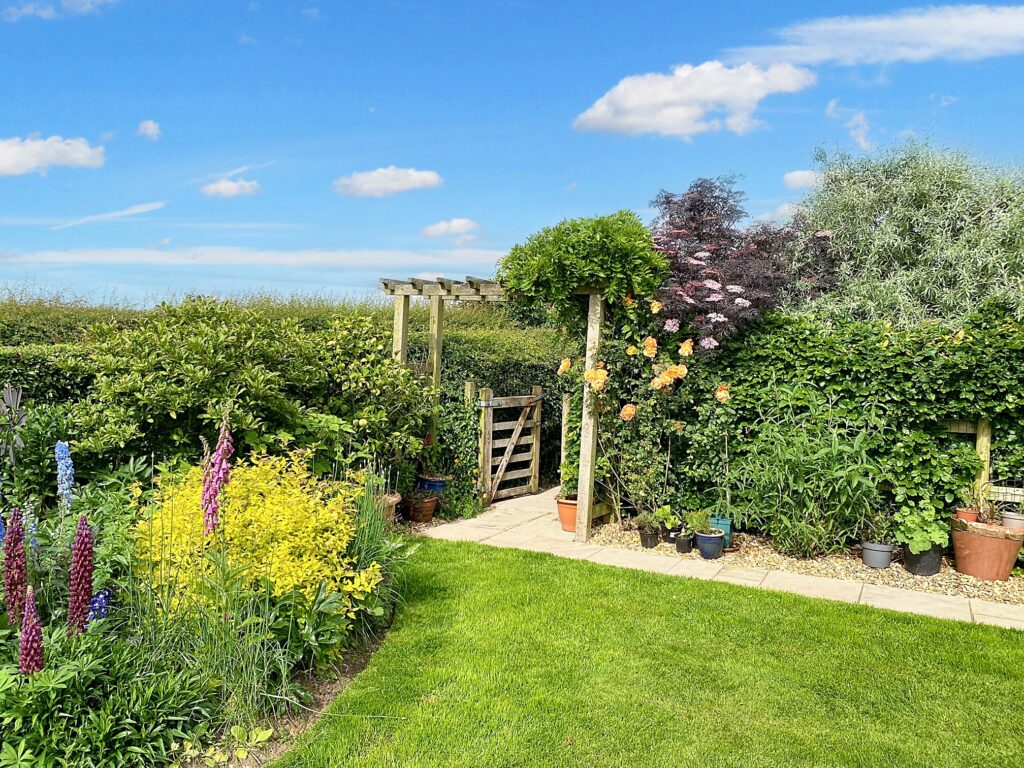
478,289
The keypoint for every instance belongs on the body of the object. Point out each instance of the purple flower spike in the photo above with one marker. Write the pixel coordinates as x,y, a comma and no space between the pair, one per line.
81,577
216,475
30,647
15,579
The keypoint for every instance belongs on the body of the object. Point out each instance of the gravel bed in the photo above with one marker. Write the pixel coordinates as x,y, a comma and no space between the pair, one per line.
757,552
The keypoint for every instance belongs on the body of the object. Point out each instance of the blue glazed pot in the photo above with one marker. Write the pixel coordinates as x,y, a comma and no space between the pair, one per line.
725,526
710,545
433,485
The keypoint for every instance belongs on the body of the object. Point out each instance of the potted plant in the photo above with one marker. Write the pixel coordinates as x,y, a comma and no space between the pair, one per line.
422,503
669,523
974,500
435,468
684,541
648,529
710,541
566,499
923,537
877,544
984,550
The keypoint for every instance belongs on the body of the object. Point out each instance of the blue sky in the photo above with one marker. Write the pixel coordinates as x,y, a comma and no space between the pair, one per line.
153,148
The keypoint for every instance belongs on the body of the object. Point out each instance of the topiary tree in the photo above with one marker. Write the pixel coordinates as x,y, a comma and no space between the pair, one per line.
909,235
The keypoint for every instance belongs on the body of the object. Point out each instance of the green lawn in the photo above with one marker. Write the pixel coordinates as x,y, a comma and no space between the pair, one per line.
510,658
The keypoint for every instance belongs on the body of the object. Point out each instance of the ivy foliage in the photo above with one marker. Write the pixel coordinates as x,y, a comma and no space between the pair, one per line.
614,254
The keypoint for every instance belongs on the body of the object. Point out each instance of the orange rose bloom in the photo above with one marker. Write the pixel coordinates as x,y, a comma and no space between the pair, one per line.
629,301
722,393
660,382
597,378
677,371
650,346
686,348
628,412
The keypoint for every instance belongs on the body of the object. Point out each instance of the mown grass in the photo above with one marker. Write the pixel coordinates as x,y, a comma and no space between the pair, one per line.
510,658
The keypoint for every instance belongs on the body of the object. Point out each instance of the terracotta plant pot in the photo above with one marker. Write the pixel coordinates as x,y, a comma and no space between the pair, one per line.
967,513
391,502
985,551
567,514
422,510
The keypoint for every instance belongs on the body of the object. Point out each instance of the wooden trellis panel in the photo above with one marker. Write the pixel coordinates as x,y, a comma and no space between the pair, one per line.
509,444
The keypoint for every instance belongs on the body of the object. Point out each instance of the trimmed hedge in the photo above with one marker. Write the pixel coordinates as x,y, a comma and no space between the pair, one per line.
47,373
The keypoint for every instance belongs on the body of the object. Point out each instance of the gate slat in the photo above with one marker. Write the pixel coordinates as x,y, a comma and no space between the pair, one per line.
510,448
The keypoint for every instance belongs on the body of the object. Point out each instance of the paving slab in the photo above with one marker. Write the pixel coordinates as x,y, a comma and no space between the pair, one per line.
459,532
908,601
628,558
696,569
980,618
814,586
748,577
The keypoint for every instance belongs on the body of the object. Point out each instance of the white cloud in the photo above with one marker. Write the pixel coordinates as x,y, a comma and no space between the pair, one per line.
691,100
35,155
859,127
801,179
134,210
449,227
463,241
150,129
231,188
782,213
440,261
49,11
386,181
832,108
955,32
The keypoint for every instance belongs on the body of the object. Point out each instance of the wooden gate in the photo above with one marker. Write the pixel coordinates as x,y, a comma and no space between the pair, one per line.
509,444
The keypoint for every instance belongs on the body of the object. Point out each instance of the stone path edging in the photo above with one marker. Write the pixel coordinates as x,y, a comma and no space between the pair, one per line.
530,523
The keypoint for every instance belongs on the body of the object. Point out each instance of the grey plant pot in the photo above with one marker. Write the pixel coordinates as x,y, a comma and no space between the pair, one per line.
877,555
1013,519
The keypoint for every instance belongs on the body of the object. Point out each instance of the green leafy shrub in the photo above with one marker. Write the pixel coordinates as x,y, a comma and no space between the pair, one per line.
805,478
613,254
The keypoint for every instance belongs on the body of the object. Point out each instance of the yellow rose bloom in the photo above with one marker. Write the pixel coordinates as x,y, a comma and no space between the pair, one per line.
677,371
660,382
656,306
686,348
628,412
631,350
565,366
596,378
650,346
722,393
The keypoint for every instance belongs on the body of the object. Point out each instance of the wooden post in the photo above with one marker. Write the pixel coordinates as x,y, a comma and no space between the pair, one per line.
486,419
588,434
434,354
537,392
983,445
470,393
566,407
400,335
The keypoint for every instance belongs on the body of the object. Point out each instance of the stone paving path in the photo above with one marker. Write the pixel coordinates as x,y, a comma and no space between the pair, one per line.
531,523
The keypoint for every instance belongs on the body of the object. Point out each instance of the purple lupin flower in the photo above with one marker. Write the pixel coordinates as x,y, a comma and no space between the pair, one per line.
81,577
216,475
15,579
30,647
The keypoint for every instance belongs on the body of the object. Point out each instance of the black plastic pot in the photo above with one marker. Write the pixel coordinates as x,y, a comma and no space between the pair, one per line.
684,543
649,539
710,545
925,563
668,535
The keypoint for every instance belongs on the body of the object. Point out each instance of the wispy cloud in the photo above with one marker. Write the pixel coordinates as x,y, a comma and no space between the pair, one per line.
954,32
856,123
801,179
228,188
449,228
34,154
441,260
51,11
386,181
124,213
691,100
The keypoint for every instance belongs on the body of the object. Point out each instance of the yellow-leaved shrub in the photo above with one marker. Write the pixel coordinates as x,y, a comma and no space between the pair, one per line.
277,521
